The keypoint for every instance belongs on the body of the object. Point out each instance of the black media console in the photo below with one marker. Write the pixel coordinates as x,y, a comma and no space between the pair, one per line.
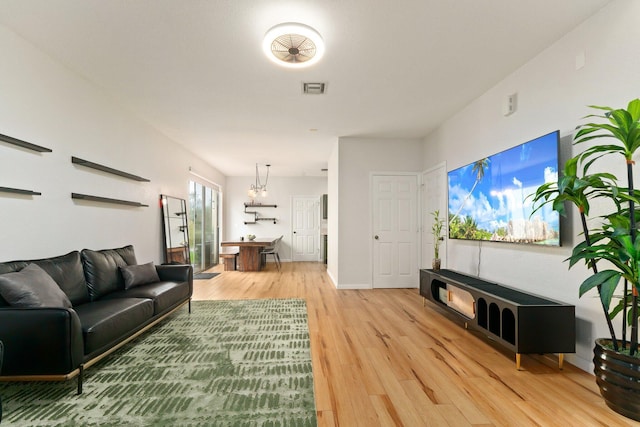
522,322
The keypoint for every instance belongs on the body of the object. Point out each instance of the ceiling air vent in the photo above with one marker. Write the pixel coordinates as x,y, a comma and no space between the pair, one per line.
314,88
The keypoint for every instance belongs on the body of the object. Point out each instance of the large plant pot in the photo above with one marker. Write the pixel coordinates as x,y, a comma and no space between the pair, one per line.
618,377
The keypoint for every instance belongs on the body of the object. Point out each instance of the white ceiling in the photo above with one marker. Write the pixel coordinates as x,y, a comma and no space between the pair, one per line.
194,69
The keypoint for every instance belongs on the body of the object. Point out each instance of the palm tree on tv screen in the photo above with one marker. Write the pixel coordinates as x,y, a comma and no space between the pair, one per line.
479,169
469,228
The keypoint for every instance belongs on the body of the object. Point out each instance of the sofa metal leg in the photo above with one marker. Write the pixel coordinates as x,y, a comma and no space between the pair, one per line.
81,368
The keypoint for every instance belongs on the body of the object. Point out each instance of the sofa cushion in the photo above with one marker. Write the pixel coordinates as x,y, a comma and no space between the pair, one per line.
66,270
106,322
165,295
136,275
102,269
32,287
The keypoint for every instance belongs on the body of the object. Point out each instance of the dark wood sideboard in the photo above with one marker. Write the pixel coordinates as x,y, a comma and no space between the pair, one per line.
522,322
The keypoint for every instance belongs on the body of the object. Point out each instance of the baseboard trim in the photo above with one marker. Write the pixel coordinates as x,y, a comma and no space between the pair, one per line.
354,286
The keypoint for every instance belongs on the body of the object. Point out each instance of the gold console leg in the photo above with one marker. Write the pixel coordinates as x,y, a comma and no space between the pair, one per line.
518,361
424,301
560,360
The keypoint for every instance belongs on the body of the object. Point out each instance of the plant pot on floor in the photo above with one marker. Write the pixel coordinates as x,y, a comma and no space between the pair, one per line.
618,376
610,236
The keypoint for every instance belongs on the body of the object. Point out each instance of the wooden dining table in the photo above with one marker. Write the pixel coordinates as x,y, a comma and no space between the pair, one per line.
249,258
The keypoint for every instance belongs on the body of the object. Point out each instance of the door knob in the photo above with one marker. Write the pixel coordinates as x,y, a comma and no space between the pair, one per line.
376,237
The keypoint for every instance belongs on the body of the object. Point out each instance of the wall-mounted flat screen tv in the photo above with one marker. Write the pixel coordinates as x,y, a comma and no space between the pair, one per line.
489,199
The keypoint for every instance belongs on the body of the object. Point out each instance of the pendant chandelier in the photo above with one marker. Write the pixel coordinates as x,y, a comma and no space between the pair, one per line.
259,188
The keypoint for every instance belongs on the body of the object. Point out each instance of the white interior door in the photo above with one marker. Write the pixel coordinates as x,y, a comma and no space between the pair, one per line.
305,228
395,231
434,196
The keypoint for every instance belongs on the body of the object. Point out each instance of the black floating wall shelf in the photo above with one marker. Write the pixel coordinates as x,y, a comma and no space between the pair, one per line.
107,169
19,191
259,205
260,219
107,200
24,144
255,214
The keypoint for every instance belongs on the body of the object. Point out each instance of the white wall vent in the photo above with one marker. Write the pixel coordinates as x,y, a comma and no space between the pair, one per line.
314,88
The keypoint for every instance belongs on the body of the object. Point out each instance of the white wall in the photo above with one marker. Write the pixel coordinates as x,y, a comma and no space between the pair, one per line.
358,158
280,192
44,103
552,94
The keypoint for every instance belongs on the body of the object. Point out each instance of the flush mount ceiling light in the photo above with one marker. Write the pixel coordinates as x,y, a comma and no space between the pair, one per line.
293,45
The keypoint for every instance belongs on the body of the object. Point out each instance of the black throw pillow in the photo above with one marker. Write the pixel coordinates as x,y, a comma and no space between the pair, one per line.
32,287
136,275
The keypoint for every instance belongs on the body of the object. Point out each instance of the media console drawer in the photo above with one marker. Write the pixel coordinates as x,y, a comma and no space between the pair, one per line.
520,321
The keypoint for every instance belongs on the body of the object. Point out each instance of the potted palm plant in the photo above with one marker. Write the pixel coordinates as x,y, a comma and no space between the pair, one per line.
436,230
610,247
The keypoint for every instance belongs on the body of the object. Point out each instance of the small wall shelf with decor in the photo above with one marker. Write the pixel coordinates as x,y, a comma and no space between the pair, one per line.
522,322
256,215
90,198
24,144
19,191
97,166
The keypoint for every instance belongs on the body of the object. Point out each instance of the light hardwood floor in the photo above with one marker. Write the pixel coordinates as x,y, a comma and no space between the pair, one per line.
381,358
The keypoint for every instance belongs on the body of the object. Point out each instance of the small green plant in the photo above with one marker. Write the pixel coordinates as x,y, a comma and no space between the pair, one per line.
436,229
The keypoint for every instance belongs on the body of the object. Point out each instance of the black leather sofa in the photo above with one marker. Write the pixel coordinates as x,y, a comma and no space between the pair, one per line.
107,300
1,357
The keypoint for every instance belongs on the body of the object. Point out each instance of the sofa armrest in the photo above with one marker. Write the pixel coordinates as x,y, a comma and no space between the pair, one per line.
40,341
175,273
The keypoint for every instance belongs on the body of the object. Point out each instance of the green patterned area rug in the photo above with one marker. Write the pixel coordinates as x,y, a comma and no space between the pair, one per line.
228,363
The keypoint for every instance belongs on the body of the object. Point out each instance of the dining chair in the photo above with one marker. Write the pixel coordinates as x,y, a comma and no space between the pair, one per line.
273,250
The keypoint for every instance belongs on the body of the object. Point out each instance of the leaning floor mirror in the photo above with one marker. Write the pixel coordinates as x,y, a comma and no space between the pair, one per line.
175,230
